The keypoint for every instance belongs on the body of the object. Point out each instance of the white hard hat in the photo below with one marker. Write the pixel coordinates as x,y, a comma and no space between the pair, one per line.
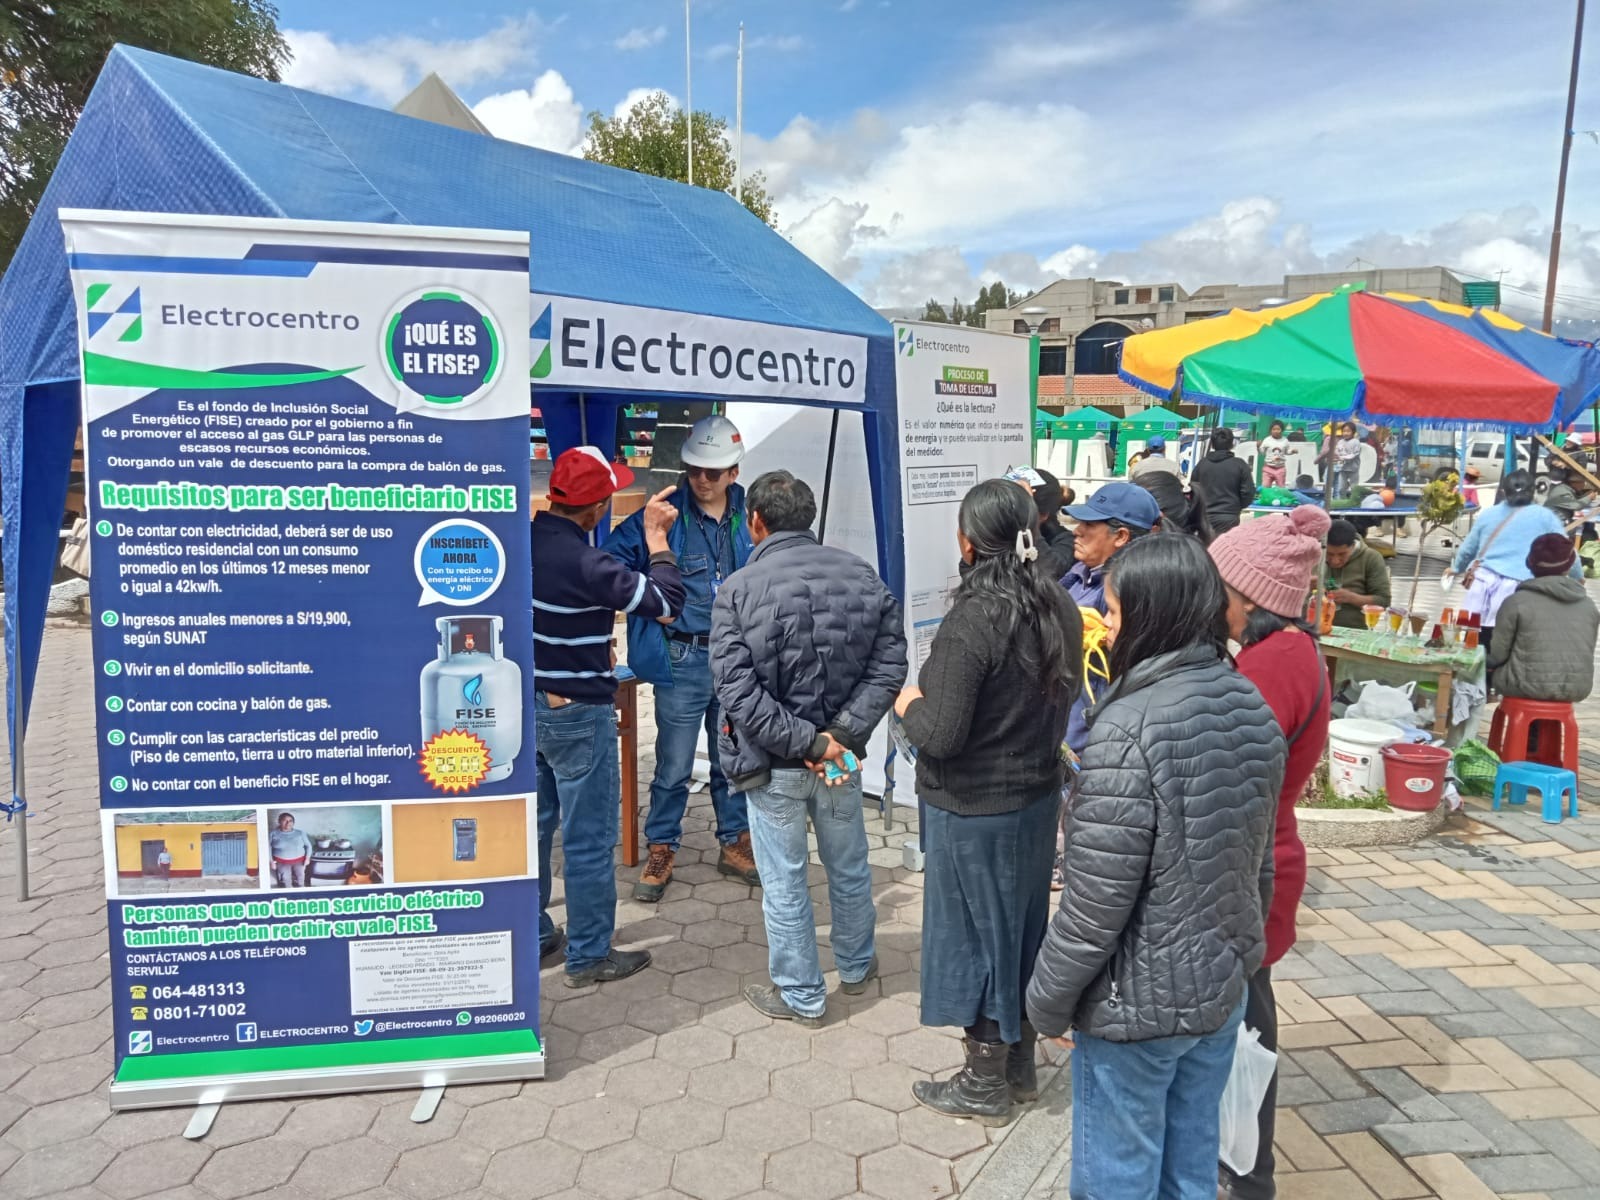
713,442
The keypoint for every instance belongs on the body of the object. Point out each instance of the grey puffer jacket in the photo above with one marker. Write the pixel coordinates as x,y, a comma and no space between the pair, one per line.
1168,856
1543,646
805,640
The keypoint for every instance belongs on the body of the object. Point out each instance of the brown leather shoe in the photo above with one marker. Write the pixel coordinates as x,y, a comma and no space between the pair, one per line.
737,859
656,875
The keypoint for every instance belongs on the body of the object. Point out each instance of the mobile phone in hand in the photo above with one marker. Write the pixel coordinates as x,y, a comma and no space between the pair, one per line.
833,771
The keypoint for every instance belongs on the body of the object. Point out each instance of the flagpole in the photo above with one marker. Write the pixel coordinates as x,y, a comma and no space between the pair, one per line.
688,88
1561,178
738,121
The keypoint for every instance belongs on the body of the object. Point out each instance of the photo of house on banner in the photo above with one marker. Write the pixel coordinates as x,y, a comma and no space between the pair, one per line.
203,850
324,846
458,840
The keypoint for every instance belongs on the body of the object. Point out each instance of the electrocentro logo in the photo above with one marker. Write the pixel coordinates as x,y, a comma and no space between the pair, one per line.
539,337
114,310
141,1041
906,342
442,347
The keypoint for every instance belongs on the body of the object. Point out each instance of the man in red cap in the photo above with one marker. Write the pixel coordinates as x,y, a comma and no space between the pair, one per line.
578,590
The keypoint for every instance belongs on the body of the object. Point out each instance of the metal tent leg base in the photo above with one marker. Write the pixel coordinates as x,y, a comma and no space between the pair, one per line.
427,1104
911,854
200,1122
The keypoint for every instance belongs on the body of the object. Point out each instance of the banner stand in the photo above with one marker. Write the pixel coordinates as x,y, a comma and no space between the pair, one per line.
306,469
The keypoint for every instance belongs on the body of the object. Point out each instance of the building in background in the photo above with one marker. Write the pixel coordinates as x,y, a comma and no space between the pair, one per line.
1082,323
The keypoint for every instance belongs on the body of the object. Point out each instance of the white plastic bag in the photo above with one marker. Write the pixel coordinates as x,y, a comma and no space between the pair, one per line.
1380,702
1253,1065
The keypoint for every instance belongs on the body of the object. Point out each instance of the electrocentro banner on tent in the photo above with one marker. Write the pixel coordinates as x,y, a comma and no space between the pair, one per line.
966,415
587,345
308,495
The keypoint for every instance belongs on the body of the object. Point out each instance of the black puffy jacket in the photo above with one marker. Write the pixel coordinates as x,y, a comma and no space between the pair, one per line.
1227,485
1168,856
805,640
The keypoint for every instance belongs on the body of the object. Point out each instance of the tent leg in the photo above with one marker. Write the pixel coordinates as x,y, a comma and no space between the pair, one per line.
827,479
19,778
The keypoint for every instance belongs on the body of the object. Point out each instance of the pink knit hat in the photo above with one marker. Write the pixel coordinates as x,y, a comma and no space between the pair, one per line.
1272,560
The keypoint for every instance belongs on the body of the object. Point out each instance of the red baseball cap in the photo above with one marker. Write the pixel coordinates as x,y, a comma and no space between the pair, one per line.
583,476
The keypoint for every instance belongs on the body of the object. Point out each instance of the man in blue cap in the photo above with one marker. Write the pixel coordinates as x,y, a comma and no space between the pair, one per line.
1155,459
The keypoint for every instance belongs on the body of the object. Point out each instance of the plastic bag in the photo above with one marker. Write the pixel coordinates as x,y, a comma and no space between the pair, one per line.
1253,1065
1475,766
1380,702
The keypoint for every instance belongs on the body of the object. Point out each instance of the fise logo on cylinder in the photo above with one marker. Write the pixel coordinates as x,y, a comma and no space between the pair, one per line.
442,348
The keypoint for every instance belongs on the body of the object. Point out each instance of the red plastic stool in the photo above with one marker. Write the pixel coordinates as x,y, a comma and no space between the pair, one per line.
1514,721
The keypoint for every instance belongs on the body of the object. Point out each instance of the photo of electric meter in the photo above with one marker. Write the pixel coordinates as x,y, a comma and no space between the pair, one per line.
466,832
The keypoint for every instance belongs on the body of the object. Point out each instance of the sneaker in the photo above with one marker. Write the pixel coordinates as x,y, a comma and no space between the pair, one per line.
739,860
619,964
1058,875
767,1000
656,875
556,944
856,986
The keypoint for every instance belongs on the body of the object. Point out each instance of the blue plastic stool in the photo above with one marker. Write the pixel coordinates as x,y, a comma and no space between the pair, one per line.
1550,782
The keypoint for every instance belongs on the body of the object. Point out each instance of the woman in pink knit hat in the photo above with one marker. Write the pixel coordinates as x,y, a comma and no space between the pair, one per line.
1269,565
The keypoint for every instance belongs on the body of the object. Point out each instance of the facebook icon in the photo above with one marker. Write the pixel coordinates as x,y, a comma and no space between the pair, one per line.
245,1031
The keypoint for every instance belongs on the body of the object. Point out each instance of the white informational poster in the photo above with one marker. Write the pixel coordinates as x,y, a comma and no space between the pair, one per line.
966,414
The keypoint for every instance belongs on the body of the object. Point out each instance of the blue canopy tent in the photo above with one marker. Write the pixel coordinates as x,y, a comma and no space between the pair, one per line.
162,135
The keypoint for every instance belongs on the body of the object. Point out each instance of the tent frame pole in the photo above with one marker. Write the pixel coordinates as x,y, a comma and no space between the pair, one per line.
827,479
19,776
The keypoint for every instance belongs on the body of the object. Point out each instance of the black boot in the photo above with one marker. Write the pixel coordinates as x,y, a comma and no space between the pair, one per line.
1021,1072
978,1090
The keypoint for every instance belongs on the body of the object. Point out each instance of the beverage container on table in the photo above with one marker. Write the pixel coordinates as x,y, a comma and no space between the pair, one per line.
1370,614
1448,616
1436,641
1397,618
1472,639
1419,622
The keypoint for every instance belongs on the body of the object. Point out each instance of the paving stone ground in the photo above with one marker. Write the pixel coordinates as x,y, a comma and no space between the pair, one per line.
1441,1039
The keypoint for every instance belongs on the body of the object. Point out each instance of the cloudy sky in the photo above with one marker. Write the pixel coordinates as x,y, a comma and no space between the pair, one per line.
917,148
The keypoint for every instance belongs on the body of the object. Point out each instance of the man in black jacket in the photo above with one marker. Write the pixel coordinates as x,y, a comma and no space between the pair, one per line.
808,653
1225,481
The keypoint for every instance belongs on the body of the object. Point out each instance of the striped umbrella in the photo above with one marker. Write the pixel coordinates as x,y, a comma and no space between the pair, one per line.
1386,357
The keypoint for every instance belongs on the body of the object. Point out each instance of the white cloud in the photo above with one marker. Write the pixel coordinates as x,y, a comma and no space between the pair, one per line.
639,38
908,280
828,236
545,115
787,43
1026,54
385,68
634,97
848,5
1245,242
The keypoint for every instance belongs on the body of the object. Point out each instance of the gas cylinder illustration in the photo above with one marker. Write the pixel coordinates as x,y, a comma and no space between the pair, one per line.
473,687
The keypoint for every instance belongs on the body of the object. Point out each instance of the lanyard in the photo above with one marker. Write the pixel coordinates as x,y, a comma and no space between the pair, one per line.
712,540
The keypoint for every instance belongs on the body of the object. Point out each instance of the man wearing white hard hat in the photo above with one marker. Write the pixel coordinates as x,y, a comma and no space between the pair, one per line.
711,538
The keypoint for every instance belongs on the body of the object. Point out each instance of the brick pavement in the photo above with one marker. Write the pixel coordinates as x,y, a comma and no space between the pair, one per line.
1441,1033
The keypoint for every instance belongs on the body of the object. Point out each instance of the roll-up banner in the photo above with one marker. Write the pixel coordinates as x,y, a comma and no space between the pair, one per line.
966,415
306,455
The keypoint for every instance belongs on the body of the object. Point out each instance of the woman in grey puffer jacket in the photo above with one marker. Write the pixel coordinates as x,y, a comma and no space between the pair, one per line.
1169,877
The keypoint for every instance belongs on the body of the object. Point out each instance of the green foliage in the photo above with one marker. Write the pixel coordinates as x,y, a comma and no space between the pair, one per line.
652,138
995,295
51,52
1440,502
934,311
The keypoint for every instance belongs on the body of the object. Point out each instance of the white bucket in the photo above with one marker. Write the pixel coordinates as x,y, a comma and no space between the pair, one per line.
1355,759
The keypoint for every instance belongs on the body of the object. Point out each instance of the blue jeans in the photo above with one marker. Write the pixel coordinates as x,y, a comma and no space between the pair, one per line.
682,710
579,789
1144,1114
778,836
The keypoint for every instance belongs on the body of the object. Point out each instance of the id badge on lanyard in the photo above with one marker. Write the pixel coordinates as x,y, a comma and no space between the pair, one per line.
716,582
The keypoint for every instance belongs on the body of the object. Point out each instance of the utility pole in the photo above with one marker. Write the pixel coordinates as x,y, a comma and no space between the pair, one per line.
1561,178
688,87
738,123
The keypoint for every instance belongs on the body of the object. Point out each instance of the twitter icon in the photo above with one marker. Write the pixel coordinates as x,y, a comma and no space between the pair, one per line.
363,1028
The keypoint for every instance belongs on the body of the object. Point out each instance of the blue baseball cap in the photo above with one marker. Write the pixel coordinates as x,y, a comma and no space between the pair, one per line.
1156,442
1127,503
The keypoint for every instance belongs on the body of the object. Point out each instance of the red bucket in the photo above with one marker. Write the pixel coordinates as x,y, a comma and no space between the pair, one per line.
1414,776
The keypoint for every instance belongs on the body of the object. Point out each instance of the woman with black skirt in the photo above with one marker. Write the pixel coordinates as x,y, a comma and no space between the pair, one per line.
987,721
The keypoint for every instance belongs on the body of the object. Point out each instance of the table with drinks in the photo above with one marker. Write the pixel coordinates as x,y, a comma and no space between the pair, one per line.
1446,649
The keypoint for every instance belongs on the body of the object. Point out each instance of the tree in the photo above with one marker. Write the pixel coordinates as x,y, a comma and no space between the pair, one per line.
1439,505
51,52
652,138
934,311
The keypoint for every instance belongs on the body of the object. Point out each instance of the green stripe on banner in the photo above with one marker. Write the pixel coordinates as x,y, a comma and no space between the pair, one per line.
260,1059
121,372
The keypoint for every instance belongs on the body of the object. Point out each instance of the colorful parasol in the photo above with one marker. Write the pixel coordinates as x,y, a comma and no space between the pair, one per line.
1386,357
